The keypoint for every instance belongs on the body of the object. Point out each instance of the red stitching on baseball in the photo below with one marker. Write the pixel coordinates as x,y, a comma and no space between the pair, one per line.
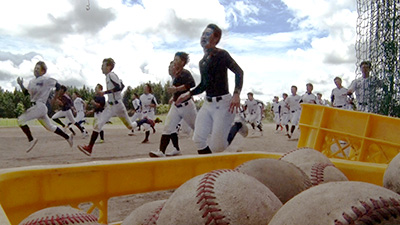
154,216
205,195
317,173
63,219
374,212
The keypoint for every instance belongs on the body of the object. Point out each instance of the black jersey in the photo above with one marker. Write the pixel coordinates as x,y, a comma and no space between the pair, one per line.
214,74
100,100
185,78
66,102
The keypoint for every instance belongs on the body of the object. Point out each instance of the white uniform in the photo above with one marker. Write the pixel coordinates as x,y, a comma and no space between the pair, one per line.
285,114
339,97
138,113
309,98
39,90
147,111
361,87
276,109
253,112
115,106
79,105
66,110
293,101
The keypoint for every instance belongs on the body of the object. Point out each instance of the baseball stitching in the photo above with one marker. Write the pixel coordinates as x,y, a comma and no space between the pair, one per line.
289,152
317,173
376,211
75,218
206,198
154,216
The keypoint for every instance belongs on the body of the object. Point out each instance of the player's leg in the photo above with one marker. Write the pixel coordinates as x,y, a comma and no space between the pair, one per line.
222,124
30,114
70,117
46,122
202,128
98,126
56,118
120,111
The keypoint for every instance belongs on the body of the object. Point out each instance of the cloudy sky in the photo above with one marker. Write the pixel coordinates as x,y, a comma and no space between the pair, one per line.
278,43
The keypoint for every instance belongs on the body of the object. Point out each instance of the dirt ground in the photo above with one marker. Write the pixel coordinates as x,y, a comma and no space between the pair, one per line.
53,150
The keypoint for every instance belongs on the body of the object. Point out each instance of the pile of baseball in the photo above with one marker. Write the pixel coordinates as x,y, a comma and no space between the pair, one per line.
303,187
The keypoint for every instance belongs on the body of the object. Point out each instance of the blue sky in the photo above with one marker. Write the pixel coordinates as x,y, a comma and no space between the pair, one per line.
278,43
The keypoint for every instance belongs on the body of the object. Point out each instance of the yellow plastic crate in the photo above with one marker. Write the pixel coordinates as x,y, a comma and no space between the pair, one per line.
349,135
28,189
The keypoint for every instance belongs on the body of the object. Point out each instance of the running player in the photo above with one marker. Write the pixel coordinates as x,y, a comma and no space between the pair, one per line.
39,90
185,111
115,106
309,97
293,102
98,102
149,105
80,107
218,111
251,106
276,110
136,110
285,113
65,102
339,95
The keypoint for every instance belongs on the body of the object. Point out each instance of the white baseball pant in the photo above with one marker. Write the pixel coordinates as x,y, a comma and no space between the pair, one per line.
111,111
67,114
39,112
186,112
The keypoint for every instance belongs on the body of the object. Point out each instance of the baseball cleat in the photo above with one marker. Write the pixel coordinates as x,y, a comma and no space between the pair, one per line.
131,133
31,145
145,141
71,140
156,154
157,120
85,149
244,130
101,141
175,152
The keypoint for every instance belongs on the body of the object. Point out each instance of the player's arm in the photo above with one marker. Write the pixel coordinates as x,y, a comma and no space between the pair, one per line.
235,68
117,87
20,81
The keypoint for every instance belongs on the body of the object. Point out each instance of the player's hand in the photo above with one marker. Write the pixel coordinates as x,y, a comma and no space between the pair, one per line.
20,81
235,103
171,89
182,98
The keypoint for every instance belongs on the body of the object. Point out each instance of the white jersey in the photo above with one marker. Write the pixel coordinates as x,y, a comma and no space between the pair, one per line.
284,108
146,100
361,87
112,78
276,107
39,88
293,101
252,106
136,104
309,98
79,104
339,97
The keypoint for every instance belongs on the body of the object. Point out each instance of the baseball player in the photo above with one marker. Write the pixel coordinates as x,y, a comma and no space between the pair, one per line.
137,111
80,107
149,105
276,109
253,109
185,111
285,113
320,101
115,106
339,95
217,114
98,102
362,86
66,103
39,90
309,97
293,102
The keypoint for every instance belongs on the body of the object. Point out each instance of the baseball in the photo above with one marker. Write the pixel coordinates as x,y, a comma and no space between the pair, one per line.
322,173
341,203
304,155
220,197
391,177
60,215
146,214
284,179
